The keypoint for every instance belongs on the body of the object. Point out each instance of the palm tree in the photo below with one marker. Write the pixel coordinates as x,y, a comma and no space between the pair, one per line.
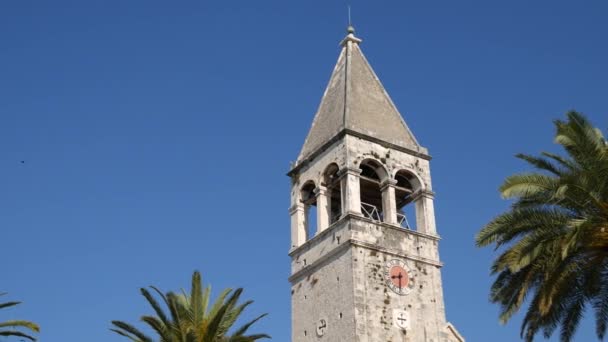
554,239
190,319
16,324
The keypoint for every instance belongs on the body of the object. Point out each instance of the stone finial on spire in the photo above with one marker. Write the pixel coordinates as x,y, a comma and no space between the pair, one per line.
350,33
350,36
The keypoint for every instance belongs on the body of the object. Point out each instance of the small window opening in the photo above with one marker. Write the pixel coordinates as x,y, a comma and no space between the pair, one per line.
405,192
334,192
310,208
371,196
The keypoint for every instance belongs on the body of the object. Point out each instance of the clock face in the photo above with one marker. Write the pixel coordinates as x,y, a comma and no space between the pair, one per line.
398,277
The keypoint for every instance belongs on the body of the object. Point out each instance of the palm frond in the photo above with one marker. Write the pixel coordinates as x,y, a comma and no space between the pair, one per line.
243,329
190,319
541,163
163,330
8,304
20,323
554,238
17,323
131,330
157,309
16,333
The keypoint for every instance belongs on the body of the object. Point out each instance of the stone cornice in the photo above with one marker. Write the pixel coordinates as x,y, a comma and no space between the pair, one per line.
422,153
397,227
317,263
319,236
357,217
353,242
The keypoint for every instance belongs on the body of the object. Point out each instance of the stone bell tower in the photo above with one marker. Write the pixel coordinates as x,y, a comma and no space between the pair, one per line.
364,248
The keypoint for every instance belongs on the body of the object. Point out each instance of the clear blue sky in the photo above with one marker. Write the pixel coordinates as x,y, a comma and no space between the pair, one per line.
156,136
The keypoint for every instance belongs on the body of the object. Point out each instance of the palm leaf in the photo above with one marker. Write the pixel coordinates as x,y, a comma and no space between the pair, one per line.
129,329
190,319
554,238
8,304
20,323
16,333
157,309
243,329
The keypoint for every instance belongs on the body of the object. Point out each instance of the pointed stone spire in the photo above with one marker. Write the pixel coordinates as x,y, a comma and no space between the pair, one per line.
355,102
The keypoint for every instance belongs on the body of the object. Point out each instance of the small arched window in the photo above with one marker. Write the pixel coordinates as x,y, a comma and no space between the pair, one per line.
372,175
309,199
406,190
331,181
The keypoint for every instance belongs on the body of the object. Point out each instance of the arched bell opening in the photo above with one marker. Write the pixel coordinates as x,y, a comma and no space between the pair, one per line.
331,180
406,190
372,176
309,200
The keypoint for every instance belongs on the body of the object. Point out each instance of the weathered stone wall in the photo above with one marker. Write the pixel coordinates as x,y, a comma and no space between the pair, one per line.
376,304
322,288
338,275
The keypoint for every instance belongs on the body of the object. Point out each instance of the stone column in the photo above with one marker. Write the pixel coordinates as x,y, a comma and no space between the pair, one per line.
351,193
298,224
425,213
323,208
389,204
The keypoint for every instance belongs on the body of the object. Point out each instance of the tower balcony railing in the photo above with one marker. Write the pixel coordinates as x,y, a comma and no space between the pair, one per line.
370,211
402,220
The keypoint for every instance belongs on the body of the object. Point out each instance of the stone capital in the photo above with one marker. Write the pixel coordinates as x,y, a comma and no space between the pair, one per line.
349,171
295,208
320,190
427,194
423,194
387,183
